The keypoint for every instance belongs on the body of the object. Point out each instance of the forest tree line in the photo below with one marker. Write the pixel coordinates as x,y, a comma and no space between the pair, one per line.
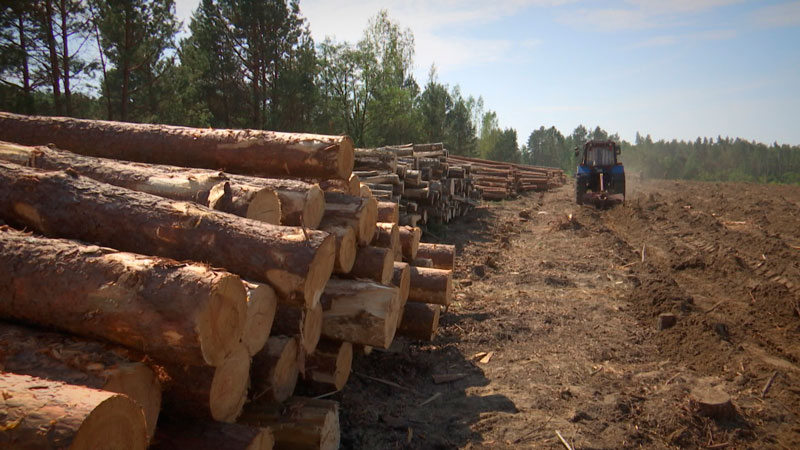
254,64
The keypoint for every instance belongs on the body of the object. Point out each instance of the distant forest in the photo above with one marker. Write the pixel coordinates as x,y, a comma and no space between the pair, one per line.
253,64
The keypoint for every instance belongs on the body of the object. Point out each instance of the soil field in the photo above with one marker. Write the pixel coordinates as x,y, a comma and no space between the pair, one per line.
555,328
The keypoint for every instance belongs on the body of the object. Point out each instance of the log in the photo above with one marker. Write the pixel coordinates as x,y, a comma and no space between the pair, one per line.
401,278
442,255
302,204
346,244
360,213
431,286
58,357
206,187
373,263
261,305
275,370
387,235
180,312
422,262
330,364
299,424
361,312
291,260
388,212
176,434
216,393
375,159
409,240
44,414
252,152
420,321
304,324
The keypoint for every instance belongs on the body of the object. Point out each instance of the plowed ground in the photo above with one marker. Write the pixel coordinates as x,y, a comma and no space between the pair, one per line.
569,309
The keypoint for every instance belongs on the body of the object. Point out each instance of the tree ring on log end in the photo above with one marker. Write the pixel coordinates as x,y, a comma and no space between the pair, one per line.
313,207
265,206
138,382
221,322
312,328
285,372
319,271
229,387
115,423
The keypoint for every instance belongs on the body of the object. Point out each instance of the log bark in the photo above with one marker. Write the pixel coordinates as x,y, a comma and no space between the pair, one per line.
304,324
291,260
442,255
360,213
74,417
431,286
302,204
388,212
373,263
58,357
208,188
179,435
375,159
299,424
401,278
330,364
361,312
422,262
409,240
173,311
420,321
216,393
252,152
261,305
387,235
275,370
346,244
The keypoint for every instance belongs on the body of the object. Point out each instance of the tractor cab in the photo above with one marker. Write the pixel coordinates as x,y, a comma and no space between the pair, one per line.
600,178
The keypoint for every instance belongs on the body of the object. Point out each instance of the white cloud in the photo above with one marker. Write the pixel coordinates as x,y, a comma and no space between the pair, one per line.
780,15
674,39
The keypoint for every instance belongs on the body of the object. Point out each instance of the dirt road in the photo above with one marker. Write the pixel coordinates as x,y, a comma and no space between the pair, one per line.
568,308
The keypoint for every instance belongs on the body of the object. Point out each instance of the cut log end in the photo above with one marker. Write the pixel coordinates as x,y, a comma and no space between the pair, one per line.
265,206
113,424
420,321
138,382
229,386
319,272
368,221
330,365
220,324
261,305
314,207
275,369
346,245
312,329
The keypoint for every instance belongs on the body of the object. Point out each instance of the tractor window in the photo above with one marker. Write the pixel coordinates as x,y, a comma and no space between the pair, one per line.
600,156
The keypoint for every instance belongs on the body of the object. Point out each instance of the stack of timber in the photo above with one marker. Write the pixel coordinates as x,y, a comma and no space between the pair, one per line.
499,180
421,178
145,280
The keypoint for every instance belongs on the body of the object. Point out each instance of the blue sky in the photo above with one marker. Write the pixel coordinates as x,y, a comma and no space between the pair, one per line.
673,69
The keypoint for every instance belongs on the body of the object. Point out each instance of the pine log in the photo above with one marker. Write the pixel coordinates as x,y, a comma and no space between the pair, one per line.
205,435
216,393
360,213
387,235
261,305
431,286
349,186
361,312
275,370
43,414
420,321
298,424
409,240
346,244
304,324
401,278
330,364
291,260
206,187
388,212
302,204
252,152
59,357
173,311
442,255
375,159
422,262
373,263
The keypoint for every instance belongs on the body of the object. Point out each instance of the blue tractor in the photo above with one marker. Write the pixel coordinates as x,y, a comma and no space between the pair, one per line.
600,178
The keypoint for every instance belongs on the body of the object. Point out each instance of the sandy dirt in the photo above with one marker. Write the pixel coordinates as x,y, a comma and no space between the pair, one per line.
567,299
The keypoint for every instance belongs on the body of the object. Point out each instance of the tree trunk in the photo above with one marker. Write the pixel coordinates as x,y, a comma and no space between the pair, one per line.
55,73
330,364
409,241
252,152
208,188
304,324
74,417
65,58
388,212
173,435
275,370
373,263
360,213
216,393
442,255
420,321
361,312
346,245
299,424
261,306
173,311
431,286
291,260
60,357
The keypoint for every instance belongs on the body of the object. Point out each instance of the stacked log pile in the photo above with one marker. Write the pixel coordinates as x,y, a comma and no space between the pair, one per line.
499,180
201,296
